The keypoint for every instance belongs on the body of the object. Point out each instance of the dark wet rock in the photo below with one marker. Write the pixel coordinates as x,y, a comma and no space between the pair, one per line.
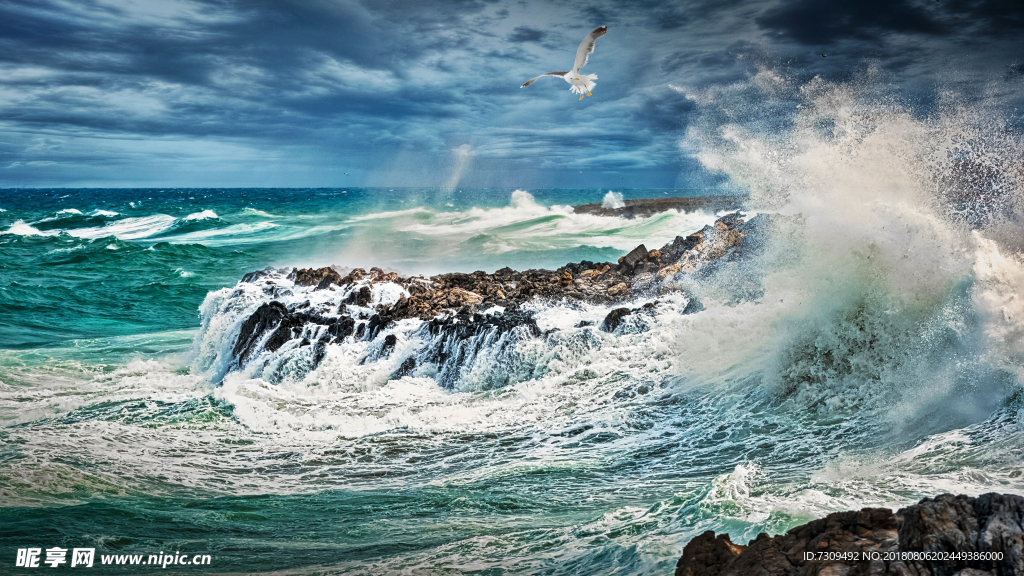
947,527
377,323
389,345
319,277
341,328
267,317
360,297
614,318
406,368
268,272
635,256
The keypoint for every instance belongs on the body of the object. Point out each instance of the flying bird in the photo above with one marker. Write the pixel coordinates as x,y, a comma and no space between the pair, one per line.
580,83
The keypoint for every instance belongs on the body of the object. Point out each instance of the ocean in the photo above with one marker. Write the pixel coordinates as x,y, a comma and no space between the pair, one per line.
869,355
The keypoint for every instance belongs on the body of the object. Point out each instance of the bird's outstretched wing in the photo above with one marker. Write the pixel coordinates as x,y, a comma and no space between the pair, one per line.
532,80
587,47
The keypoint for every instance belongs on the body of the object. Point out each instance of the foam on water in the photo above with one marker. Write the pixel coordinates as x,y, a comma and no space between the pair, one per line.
20,228
205,214
524,224
128,228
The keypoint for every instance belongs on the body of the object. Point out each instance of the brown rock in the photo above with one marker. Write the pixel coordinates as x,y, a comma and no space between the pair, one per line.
619,288
706,555
319,277
668,271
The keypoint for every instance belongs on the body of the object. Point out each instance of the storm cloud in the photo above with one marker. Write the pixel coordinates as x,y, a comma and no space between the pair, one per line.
297,93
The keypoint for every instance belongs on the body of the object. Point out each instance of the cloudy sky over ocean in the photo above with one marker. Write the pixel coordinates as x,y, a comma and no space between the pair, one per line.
401,93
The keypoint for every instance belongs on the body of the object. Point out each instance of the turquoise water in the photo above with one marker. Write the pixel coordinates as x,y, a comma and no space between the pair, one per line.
831,372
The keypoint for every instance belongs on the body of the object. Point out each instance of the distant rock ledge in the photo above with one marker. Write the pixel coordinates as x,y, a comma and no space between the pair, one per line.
942,536
644,207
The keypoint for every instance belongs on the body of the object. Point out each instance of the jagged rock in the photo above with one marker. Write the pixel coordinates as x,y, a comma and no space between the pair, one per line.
875,540
389,345
456,299
636,255
253,277
620,288
361,297
406,368
706,555
267,317
614,318
316,277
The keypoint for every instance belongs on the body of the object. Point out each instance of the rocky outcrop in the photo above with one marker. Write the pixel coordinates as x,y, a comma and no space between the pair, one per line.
943,536
644,207
480,306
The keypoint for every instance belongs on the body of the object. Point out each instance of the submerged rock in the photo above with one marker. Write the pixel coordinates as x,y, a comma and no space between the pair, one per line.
943,536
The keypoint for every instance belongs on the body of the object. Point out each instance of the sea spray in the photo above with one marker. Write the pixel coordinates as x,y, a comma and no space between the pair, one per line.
879,306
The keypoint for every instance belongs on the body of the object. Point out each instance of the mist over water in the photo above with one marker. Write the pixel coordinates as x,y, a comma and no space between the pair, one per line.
868,354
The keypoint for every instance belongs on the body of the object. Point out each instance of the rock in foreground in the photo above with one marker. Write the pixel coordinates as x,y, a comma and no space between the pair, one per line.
943,536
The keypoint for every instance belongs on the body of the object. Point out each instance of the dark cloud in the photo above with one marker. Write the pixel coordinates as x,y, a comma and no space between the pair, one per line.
826,21
526,34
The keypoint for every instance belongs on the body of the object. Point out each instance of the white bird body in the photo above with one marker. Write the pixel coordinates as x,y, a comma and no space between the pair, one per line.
578,83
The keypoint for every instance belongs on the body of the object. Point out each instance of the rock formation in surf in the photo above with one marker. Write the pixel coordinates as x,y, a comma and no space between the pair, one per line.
308,309
644,207
943,536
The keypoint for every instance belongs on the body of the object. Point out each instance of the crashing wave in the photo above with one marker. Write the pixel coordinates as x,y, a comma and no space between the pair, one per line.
463,330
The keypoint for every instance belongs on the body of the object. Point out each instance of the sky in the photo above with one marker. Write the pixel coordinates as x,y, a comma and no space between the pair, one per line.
336,93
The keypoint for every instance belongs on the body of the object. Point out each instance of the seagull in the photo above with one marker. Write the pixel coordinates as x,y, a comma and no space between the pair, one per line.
581,83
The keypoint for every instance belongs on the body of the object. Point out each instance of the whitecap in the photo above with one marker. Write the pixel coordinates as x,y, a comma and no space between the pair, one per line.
129,228
69,211
230,234
20,228
105,213
527,225
205,214
255,212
